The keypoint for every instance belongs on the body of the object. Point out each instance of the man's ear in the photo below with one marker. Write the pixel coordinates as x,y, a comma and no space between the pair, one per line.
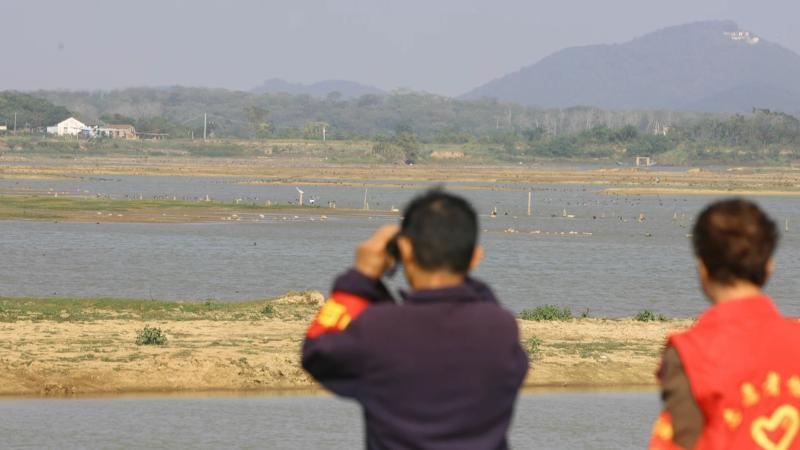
702,270
477,257
406,250
770,268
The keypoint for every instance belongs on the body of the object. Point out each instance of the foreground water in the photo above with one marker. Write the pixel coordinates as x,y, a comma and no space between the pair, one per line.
580,248
614,421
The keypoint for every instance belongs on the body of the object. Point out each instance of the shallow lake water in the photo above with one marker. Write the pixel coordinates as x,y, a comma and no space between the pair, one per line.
613,421
602,259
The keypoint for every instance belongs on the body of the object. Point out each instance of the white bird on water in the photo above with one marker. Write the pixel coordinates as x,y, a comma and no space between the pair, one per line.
301,195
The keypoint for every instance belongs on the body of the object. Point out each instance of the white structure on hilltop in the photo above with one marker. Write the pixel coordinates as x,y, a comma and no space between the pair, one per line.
743,36
68,127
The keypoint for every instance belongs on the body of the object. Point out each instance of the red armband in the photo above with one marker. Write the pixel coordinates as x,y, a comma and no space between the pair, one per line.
337,313
661,438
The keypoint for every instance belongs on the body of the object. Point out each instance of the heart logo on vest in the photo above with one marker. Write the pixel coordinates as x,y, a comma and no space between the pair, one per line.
786,418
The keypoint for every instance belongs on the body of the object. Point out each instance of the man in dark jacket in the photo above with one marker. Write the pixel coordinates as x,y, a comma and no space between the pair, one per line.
443,369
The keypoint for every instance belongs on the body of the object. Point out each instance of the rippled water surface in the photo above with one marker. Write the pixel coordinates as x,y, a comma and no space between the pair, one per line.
581,249
613,421
599,257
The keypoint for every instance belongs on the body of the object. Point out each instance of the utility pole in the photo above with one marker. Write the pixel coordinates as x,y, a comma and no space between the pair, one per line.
205,125
324,132
15,124
529,203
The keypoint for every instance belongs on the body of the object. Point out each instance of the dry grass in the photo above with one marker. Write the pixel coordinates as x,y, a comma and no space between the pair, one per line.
64,347
287,171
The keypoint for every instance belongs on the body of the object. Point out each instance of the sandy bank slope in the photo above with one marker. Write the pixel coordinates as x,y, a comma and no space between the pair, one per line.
250,348
595,352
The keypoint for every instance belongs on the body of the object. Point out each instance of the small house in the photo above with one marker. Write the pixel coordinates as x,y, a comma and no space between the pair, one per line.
117,131
68,127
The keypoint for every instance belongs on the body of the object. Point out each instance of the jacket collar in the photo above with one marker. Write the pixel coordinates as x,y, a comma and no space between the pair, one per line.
471,290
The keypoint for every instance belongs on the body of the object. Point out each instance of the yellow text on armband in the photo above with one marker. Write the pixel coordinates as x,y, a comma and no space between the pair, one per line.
331,313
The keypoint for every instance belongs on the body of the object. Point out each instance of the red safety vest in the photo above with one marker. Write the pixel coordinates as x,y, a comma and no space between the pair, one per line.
743,363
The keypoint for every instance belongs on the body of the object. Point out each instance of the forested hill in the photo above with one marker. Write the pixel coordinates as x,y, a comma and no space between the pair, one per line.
336,89
704,66
29,111
398,123
176,110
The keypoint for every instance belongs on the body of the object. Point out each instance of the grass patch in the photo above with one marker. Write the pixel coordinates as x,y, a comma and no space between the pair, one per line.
649,316
533,346
79,358
604,347
182,354
39,207
268,310
546,313
298,306
124,359
151,336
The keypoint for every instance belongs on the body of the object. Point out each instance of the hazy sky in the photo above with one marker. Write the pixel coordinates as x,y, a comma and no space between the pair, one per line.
445,46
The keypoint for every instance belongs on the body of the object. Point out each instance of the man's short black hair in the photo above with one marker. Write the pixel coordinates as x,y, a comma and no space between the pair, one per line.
735,240
443,230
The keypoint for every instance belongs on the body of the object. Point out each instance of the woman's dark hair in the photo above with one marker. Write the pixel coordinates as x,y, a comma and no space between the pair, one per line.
735,240
443,230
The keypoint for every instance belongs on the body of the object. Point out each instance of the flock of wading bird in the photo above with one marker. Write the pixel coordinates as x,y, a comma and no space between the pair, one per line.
567,212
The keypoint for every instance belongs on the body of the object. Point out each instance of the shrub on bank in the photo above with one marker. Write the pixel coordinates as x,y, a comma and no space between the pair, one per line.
546,313
151,336
649,316
534,347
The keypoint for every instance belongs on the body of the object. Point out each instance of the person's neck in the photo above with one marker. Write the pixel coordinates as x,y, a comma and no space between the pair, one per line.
720,293
437,280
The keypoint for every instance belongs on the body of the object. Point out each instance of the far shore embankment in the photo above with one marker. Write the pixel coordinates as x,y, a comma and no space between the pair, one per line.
69,347
42,205
291,171
21,202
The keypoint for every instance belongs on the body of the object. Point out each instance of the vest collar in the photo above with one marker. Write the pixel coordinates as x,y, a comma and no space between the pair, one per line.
744,309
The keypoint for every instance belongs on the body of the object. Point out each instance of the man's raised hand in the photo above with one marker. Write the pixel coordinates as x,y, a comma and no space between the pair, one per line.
372,260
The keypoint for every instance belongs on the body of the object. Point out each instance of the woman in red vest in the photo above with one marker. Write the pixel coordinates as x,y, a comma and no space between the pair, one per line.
732,381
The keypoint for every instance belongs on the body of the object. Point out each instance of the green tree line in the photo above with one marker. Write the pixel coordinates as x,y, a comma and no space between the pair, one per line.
30,111
399,123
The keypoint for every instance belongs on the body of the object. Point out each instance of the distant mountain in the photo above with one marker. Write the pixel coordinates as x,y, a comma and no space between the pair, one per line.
703,66
348,89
